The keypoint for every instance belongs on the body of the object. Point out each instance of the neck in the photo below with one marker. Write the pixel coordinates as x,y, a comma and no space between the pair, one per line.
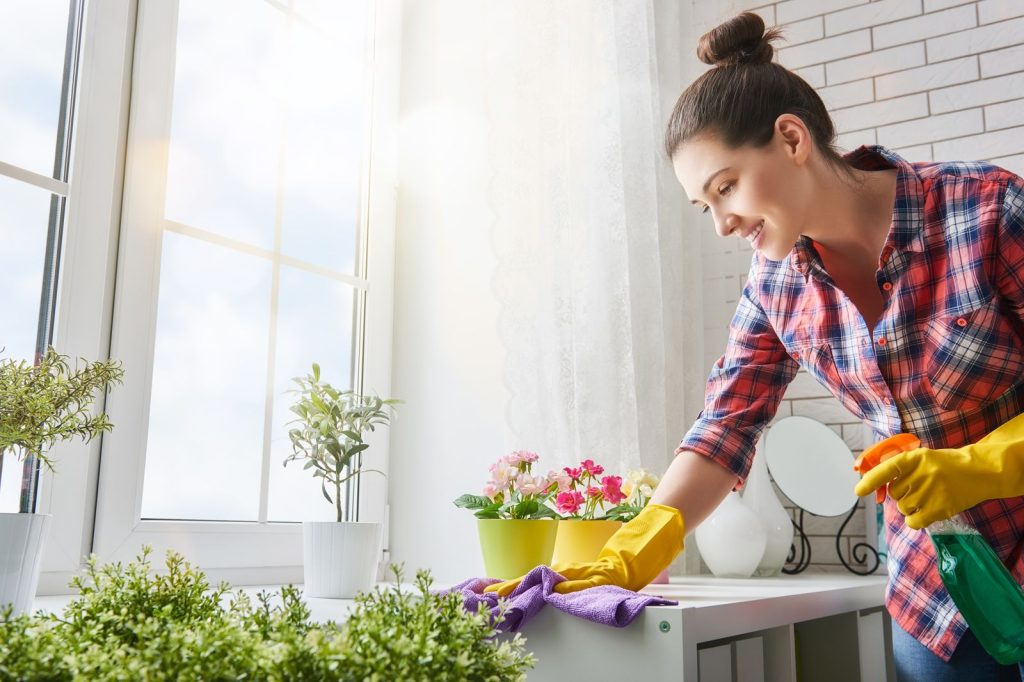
855,214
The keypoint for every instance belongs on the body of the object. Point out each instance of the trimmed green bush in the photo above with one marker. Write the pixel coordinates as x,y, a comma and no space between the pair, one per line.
131,623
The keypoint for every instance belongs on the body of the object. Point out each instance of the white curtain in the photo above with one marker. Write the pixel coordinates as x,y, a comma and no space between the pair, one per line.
586,231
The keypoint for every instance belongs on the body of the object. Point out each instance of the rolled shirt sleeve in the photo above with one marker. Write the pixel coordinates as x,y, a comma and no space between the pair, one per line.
743,391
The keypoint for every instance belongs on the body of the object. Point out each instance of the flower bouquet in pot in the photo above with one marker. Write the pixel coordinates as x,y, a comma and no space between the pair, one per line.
42,405
592,506
516,526
339,557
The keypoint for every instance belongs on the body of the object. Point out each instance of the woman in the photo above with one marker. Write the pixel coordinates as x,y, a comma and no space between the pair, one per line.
899,286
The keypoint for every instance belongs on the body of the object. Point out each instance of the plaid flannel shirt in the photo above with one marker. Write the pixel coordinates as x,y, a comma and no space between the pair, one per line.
945,360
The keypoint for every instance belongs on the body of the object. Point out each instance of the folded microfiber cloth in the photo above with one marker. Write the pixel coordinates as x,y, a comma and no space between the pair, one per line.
605,604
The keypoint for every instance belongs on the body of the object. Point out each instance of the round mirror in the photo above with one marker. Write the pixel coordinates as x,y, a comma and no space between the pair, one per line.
812,465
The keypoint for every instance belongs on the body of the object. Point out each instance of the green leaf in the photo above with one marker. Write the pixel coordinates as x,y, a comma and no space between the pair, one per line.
472,502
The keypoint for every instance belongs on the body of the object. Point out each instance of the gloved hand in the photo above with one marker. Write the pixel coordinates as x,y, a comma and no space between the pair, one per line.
932,485
631,558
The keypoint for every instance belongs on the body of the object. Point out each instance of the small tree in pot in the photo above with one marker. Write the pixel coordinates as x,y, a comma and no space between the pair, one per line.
339,558
40,406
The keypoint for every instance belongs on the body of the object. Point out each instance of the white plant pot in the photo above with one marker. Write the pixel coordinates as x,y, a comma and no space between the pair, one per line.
760,496
732,540
21,554
339,559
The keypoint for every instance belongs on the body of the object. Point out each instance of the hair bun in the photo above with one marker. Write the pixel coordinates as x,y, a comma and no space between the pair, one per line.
740,40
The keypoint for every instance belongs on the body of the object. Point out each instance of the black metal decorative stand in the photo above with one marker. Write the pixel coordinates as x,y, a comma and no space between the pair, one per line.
800,552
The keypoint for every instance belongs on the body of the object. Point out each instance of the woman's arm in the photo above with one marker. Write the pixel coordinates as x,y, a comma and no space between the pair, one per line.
694,485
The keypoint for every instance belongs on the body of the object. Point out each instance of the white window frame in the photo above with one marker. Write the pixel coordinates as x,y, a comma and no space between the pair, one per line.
86,276
101,310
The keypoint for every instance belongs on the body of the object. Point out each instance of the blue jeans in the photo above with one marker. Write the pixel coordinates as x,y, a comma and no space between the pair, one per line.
970,662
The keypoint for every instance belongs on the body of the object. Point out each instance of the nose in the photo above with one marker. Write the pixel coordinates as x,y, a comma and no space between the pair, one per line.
724,225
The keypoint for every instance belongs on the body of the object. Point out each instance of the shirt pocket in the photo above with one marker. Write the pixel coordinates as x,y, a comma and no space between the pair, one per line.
815,356
971,358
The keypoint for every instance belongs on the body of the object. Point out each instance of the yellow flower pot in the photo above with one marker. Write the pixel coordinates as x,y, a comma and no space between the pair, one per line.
513,547
580,541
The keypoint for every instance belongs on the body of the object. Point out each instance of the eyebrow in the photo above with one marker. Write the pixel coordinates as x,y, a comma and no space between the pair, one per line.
707,183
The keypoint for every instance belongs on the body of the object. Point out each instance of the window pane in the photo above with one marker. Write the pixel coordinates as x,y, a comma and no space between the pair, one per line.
206,420
24,214
314,324
326,134
33,37
226,123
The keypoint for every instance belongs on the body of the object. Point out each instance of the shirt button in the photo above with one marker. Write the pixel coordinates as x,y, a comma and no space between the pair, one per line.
881,341
796,356
887,286
961,322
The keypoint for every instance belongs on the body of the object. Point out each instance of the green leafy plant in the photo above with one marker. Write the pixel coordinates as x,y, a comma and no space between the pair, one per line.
50,402
131,623
398,635
330,432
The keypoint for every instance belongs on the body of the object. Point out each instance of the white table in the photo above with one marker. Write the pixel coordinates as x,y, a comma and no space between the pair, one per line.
822,627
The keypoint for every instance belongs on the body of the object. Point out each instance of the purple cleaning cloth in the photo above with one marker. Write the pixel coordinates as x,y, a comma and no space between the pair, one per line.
606,604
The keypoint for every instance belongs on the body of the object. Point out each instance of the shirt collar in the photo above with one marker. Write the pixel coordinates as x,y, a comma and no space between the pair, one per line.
906,232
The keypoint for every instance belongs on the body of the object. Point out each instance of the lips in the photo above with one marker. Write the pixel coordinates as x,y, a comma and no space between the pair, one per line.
754,236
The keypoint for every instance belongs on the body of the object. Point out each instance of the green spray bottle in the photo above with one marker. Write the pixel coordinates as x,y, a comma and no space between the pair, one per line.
988,597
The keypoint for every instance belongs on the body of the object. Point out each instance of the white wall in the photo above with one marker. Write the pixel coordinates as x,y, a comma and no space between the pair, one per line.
933,80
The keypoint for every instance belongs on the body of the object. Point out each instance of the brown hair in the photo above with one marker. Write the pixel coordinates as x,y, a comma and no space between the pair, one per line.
741,97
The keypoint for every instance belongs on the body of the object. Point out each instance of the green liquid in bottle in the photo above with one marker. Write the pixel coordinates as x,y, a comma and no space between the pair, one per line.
989,598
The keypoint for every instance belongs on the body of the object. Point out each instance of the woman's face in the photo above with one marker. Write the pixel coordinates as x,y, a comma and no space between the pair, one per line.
757,194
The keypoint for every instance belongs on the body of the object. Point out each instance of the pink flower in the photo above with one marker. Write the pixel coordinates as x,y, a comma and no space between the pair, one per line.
491,491
611,486
522,456
591,468
568,502
574,474
502,474
564,481
531,485
593,492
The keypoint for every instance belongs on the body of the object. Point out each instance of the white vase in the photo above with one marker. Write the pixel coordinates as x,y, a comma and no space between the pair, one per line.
732,540
21,554
340,559
759,495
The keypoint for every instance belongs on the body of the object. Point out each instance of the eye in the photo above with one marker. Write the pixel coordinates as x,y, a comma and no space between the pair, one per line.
726,189
705,209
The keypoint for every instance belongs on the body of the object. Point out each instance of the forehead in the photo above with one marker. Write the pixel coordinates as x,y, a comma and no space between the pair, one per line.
699,158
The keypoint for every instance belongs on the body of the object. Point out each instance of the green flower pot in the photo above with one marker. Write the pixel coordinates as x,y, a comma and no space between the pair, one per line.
512,547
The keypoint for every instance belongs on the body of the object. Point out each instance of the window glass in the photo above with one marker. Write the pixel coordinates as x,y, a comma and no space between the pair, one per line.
257,270
33,37
209,383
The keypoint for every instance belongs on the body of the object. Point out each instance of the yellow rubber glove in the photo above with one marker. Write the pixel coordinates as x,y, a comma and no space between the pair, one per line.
631,558
933,485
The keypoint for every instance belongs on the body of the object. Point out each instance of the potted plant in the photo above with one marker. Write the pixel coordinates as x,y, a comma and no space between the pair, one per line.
514,521
585,526
339,557
40,406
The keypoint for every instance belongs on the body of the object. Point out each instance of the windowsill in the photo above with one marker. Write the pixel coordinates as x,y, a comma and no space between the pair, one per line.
701,591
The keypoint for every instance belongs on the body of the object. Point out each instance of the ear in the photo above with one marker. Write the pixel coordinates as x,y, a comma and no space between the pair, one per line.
792,133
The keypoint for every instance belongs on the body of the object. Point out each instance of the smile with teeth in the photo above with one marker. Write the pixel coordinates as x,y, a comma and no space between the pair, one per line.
752,237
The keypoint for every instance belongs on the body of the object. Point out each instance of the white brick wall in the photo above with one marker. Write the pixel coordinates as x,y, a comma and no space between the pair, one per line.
931,79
